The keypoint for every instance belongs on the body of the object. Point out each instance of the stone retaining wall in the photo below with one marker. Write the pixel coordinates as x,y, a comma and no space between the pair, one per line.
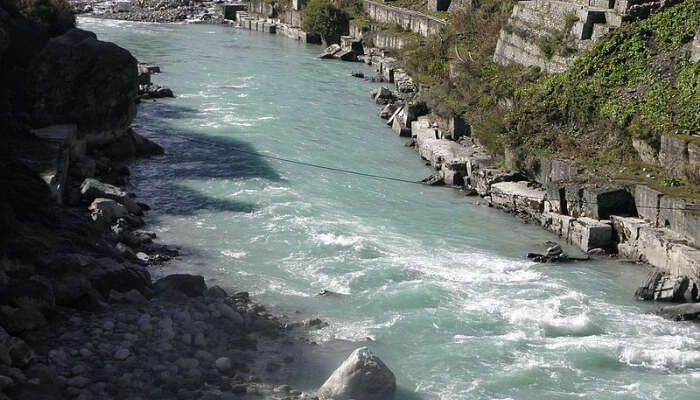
414,21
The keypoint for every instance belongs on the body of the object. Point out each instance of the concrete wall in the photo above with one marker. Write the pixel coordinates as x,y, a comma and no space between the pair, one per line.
531,21
388,41
261,9
414,21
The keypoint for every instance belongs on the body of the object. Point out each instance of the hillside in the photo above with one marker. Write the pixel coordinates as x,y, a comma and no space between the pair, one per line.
637,82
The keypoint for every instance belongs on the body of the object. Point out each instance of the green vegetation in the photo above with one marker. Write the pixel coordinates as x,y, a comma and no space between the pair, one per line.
477,86
324,18
636,82
559,42
55,15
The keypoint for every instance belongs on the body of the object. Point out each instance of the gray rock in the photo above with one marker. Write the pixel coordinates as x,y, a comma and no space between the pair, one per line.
215,292
20,353
361,376
107,211
132,296
190,285
78,381
106,274
223,365
347,55
92,189
200,340
681,312
122,354
5,382
229,313
18,320
187,363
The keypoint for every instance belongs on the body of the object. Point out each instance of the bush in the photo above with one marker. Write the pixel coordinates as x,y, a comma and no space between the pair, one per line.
324,18
55,15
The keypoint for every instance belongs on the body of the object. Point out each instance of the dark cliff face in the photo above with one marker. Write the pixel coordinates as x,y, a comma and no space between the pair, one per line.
76,78
50,74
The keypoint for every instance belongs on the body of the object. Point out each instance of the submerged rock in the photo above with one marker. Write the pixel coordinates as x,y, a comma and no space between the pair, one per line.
361,376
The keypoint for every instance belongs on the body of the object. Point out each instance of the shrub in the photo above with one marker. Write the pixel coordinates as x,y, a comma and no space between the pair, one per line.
324,18
55,15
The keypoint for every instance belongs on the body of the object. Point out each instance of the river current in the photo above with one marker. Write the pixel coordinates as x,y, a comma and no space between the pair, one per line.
435,285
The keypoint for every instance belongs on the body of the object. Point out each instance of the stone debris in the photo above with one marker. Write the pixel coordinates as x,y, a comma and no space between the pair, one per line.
160,349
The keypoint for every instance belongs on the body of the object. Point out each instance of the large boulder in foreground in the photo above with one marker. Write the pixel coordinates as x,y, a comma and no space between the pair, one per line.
361,376
79,79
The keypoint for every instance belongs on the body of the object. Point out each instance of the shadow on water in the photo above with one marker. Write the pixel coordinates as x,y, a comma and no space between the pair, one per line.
184,201
191,156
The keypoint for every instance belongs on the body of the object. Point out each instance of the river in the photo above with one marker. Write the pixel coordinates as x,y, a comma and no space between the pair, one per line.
435,285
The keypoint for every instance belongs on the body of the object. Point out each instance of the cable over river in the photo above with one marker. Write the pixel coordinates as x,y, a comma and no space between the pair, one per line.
436,286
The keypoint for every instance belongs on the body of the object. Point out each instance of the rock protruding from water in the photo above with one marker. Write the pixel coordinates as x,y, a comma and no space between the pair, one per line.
361,376
680,312
660,286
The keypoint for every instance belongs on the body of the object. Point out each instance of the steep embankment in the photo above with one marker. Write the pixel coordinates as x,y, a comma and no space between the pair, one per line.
636,84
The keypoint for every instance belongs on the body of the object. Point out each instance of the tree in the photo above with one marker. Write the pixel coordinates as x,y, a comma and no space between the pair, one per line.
55,15
324,18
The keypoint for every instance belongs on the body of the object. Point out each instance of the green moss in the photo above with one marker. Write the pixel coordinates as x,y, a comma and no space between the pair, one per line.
637,80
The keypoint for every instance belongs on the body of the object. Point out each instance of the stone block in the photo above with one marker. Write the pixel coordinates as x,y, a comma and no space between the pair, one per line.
519,198
585,233
399,129
660,247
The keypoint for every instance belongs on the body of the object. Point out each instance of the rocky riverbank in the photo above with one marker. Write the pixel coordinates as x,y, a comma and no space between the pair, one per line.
152,11
610,218
80,313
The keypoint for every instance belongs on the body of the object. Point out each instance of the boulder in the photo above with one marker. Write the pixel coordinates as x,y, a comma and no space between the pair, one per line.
92,189
107,211
35,292
383,96
20,353
387,111
681,312
106,274
130,145
5,358
660,286
79,79
190,285
347,55
18,320
361,376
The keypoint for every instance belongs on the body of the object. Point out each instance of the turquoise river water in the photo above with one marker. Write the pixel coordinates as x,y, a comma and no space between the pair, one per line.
438,284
